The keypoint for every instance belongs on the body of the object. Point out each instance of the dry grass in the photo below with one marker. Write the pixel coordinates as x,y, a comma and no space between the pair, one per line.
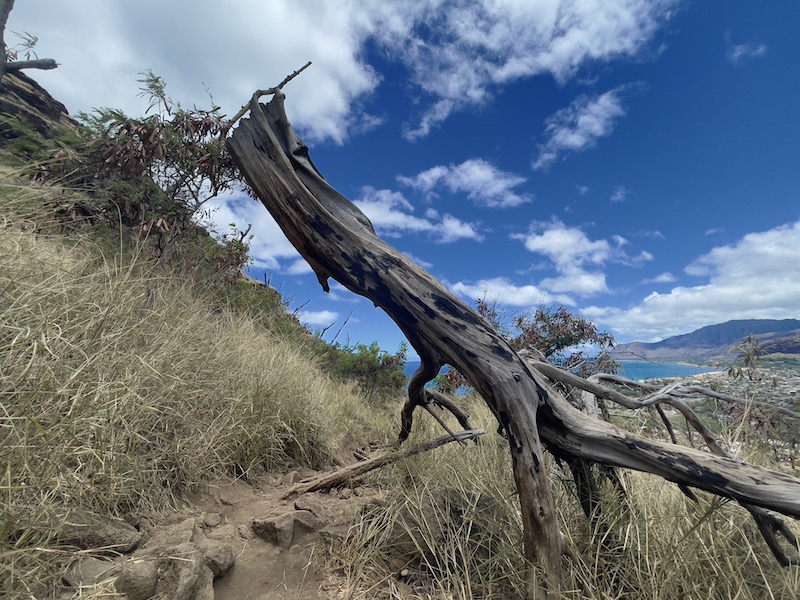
121,391
452,529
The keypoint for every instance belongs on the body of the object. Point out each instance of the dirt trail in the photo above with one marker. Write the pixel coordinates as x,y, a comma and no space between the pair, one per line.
265,570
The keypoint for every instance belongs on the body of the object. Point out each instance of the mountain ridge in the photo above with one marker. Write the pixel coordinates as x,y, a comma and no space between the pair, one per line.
777,336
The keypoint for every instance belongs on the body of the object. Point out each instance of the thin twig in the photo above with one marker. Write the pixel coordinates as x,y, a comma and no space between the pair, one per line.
258,94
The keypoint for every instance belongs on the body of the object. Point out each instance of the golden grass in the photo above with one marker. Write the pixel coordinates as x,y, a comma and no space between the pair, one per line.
121,390
456,517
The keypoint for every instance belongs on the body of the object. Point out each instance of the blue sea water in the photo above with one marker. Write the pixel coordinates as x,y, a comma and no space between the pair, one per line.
636,370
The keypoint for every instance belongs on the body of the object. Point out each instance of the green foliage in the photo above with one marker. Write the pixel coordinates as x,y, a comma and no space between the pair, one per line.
171,163
556,334
24,48
378,373
23,143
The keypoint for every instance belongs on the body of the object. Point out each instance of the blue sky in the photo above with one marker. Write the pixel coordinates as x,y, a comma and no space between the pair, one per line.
636,161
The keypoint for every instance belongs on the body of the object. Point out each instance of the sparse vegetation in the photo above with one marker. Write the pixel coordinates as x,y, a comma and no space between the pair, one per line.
121,390
559,336
452,529
379,373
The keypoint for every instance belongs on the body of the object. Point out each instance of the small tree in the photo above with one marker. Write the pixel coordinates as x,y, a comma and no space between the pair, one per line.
562,338
558,335
181,151
377,372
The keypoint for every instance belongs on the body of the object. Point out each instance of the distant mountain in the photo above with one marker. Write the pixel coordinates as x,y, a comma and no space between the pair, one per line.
715,341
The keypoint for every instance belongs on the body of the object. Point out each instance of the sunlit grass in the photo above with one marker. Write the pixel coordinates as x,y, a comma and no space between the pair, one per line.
121,390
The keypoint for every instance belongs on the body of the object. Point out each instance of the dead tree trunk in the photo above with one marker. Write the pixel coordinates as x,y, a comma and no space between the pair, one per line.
15,65
338,241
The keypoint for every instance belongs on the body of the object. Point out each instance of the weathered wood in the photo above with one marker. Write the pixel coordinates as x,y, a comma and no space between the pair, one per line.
6,6
355,471
338,241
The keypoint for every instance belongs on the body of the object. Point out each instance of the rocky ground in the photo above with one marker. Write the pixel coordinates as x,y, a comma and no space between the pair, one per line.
236,541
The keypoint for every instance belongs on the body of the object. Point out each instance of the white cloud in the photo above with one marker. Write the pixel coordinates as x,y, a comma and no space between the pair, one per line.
577,259
620,194
650,233
453,229
390,213
508,293
579,126
665,277
323,318
483,183
455,53
102,45
584,189
737,53
755,278
299,267
466,49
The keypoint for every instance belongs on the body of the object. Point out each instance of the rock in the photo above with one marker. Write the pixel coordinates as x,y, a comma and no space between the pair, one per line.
245,532
217,556
89,531
212,519
177,563
227,531
21,95
345,494
284,529
315,505
138,579
205,585
179,572
165,537
88,570
291,478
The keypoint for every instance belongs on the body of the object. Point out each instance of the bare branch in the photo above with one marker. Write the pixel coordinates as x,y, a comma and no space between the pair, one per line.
338,241
6,6
354,472
260,94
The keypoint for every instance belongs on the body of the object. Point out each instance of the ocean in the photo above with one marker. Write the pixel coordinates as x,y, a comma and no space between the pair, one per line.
631,369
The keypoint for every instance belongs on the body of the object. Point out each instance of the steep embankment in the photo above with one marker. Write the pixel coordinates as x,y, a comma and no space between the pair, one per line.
30,119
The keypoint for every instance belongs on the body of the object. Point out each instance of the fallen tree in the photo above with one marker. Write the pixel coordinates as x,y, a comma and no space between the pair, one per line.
8,59
339,242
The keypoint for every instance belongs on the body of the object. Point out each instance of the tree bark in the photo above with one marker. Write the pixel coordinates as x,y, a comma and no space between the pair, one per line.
338,241
356,471
6,6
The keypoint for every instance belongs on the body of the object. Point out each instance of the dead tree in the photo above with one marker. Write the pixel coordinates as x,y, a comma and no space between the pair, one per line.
15,65
338,241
